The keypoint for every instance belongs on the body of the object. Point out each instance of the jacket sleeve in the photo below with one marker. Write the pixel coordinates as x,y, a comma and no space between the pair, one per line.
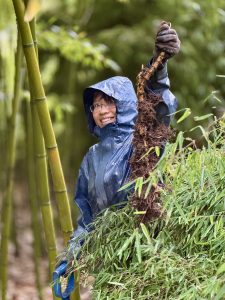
159,83
81,200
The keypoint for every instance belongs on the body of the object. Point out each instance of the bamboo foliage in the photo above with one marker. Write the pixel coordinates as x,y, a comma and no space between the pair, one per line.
45,122
7,205
33,198
178,257
32,7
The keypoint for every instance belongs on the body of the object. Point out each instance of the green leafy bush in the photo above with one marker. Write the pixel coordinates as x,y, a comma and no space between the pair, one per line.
179,256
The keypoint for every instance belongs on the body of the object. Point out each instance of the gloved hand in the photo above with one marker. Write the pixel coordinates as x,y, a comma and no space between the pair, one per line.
167,40
61,271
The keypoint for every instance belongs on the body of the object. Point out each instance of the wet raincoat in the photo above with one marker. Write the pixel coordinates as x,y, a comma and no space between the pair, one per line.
105,167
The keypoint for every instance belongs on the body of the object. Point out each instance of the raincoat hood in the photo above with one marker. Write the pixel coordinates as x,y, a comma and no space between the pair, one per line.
122,90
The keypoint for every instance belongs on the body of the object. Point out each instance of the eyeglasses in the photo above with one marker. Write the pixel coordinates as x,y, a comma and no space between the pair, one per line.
98,107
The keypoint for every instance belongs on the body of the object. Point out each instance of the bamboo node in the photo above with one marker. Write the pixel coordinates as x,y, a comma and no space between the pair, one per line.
51,147
52,248
45,204
38,99
67,231
28,45
60,191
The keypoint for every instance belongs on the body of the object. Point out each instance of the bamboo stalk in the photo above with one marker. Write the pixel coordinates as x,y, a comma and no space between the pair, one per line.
14,235
33,198
45,121
3,143
46,125
42,176
43,191
76,293
7,206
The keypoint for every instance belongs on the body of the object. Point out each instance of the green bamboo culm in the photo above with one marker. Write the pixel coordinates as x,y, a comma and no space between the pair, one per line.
42,175
33,197
46,125
43,190
45,122
40,155
7,205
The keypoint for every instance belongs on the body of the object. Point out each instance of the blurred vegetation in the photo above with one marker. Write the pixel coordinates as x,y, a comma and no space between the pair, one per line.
82,42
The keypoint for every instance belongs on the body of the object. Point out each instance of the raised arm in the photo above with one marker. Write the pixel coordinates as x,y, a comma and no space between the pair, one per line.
168,41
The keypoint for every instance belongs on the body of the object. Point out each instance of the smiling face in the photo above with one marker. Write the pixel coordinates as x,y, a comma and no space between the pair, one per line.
103,110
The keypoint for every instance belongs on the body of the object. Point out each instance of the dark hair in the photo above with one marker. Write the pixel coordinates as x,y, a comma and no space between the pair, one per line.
106,97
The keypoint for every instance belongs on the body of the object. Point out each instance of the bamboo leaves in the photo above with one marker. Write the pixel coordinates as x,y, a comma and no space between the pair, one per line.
32,8
138,246
125,245
146,233
179,257
221,269
186,114
200,118
138,185
76,47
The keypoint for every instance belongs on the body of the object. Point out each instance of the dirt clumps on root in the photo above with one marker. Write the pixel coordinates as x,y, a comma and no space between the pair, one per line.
151,205
150,134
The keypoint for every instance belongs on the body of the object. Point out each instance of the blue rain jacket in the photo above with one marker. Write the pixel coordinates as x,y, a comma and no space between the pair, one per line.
105,167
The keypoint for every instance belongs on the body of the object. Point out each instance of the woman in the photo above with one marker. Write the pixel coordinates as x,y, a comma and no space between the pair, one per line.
111,109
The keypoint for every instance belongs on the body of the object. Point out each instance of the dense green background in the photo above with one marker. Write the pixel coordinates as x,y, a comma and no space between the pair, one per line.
82,42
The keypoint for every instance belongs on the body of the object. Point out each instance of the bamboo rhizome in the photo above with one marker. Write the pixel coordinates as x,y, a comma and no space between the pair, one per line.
7,205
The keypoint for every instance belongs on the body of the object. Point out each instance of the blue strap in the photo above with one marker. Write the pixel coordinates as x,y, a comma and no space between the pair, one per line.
60,271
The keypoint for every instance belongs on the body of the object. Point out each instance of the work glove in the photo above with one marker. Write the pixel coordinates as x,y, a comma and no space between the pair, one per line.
59,291
166,40
66,259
